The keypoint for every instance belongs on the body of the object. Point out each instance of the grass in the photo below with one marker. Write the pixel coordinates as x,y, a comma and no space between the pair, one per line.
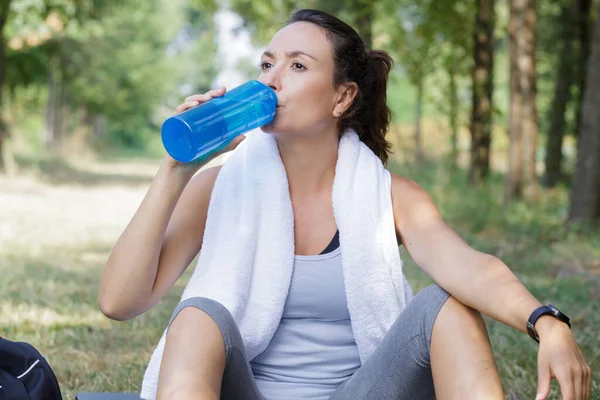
55,235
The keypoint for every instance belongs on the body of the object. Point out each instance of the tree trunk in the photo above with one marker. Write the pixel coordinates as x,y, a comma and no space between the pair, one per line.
453,117
514,172
98,126
364,21
418,118
584,23
521,174
481,119
55,110
59,115
585,193
4,7
565,78
49,125
529,88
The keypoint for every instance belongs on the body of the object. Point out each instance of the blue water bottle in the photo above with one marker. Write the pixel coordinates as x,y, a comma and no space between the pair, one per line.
207,128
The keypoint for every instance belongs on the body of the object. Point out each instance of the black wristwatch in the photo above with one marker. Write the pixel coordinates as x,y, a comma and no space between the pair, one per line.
544,310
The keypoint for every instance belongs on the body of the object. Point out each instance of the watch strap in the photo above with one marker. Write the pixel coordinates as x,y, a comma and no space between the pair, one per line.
544,310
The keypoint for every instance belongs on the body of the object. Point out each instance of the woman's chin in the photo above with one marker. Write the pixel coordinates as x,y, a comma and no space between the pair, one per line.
271,128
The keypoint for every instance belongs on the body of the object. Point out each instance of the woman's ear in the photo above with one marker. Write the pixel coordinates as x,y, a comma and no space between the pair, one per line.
347,93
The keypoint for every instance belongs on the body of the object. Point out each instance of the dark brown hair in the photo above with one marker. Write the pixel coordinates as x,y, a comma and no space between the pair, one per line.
369,114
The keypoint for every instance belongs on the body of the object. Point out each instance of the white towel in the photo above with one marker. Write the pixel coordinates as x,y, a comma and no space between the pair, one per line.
247,255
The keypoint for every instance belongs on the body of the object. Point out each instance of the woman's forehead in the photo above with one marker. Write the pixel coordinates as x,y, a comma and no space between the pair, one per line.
301,37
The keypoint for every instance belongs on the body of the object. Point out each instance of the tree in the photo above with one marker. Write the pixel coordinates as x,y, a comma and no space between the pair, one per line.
523,127
450,27
4,12
584,23
585,193
425,42
125,68
565,78
414,40
364,21
264,19
23,17
109,67
483,87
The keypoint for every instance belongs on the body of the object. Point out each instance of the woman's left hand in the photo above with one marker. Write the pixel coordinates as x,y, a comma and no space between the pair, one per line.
559,357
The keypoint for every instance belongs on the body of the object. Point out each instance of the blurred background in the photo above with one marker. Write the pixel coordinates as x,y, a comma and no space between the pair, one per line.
496,112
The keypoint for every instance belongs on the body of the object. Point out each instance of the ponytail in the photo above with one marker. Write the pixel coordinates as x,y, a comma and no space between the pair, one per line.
373,116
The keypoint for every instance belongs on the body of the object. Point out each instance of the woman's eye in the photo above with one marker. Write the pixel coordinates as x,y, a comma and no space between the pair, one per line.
298,66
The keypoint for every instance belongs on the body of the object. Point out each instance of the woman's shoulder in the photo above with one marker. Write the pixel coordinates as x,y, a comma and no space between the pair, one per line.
409,198
405,189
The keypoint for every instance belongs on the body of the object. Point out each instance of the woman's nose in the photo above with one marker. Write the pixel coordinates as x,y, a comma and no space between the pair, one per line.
270,79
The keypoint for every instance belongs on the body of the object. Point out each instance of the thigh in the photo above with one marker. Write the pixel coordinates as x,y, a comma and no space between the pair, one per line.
400,367
237,381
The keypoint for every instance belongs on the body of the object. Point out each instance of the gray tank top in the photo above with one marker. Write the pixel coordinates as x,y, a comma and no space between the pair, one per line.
313,350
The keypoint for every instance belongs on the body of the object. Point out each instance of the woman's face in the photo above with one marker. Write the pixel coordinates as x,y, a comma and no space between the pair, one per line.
298,65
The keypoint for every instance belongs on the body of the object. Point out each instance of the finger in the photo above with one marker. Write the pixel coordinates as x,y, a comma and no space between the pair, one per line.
217,92
544,377
201,98
578,384
587,378
567,389
588,382
206,96
186,106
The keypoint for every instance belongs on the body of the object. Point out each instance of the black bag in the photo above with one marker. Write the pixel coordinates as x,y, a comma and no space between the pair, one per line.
25,374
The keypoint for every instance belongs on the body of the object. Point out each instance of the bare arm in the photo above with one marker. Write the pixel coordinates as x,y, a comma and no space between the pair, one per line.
164,235
478,280
161,240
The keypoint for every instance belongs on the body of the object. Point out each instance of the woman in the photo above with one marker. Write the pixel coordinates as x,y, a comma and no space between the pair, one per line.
326,83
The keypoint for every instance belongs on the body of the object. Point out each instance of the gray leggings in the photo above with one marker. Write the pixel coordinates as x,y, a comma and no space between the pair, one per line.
399,368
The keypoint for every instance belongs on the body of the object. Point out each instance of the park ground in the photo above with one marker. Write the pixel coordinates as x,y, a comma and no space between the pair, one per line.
59,219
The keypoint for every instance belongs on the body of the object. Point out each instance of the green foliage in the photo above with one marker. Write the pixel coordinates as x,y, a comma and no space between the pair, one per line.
122,72
264,18
121,61
132,62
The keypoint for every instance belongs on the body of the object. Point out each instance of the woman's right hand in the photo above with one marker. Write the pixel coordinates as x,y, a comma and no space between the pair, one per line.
191,102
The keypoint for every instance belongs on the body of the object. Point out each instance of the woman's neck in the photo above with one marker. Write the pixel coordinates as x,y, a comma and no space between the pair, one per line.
309,162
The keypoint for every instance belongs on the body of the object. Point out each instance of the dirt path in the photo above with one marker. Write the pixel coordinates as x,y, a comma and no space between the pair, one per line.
36,214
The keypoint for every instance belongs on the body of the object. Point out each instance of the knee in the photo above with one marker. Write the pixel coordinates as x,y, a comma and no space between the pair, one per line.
200,312
441,311
448,304
454,310
190,319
